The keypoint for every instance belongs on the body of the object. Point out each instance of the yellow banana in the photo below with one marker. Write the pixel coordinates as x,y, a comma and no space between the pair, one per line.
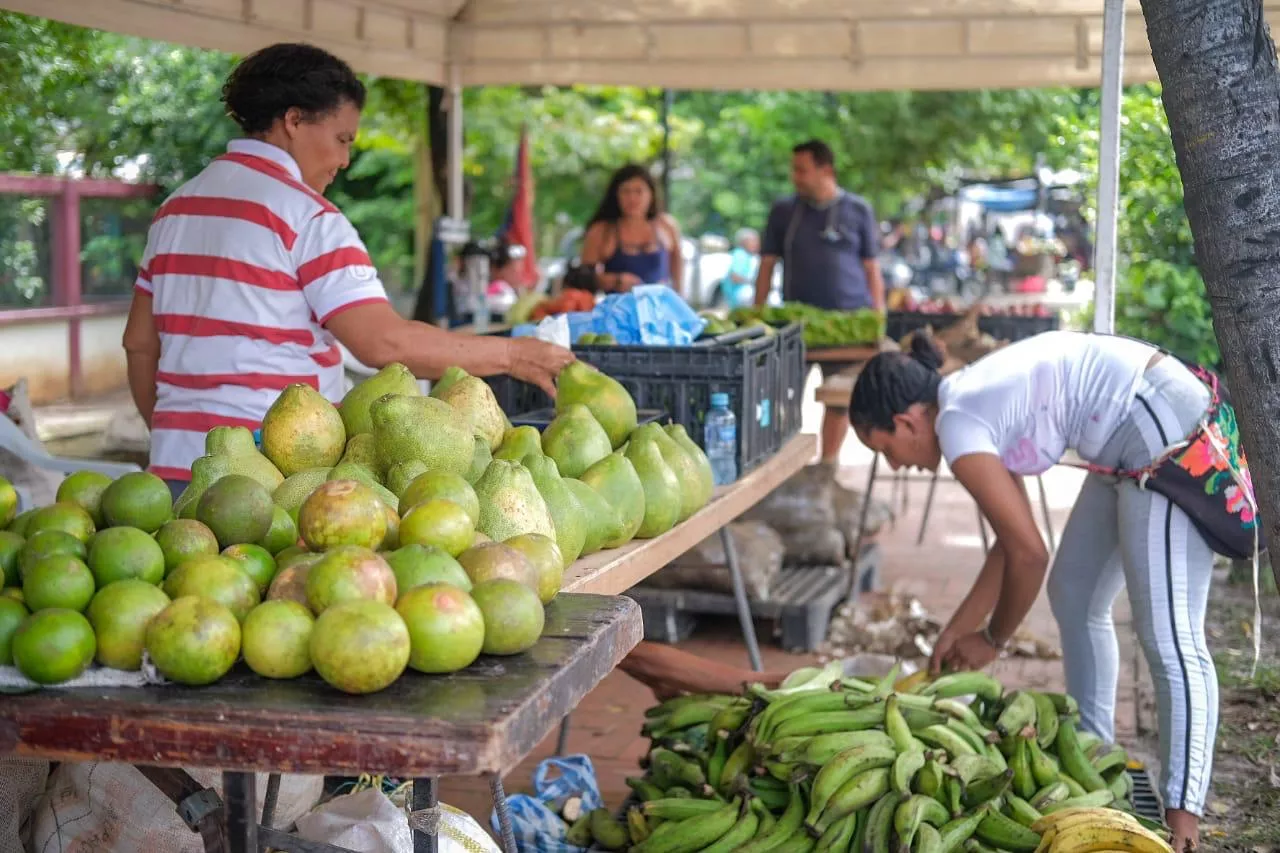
912,683
1067,817
1094,838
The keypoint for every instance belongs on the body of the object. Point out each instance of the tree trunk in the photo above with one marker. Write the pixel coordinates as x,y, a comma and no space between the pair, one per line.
1217,66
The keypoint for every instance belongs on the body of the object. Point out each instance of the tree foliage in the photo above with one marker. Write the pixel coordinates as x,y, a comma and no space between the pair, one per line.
105,105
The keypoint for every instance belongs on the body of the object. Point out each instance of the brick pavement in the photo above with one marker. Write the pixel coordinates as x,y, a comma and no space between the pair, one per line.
939,572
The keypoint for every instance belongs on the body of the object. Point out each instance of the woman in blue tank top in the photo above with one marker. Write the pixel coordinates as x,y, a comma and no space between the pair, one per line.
629,240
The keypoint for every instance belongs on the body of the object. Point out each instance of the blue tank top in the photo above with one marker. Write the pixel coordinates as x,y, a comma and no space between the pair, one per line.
649,267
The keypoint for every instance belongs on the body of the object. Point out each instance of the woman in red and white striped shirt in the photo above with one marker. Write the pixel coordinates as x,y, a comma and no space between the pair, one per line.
251,278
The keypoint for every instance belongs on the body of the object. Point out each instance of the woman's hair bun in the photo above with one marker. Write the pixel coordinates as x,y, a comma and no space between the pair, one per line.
926,351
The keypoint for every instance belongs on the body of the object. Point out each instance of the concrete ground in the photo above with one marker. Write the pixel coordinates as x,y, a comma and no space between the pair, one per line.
606,724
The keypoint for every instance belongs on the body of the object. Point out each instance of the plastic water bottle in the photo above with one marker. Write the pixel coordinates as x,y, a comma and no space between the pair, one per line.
720,440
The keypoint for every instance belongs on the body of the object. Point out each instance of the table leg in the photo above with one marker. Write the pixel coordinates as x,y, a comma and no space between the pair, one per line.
239,804
928,506
562,739
504,818
424,798
1044,508
866,507
269,799
740,598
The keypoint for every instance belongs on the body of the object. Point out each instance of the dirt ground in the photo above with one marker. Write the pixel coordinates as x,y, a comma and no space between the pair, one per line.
1243,813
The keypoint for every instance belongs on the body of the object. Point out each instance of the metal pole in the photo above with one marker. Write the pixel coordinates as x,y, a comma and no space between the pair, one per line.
668,100
1104,253
455,144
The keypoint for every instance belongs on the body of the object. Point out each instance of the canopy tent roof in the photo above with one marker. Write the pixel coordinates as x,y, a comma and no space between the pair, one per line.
692,44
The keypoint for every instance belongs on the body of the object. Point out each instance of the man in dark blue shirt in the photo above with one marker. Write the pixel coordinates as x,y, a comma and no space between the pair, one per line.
828,240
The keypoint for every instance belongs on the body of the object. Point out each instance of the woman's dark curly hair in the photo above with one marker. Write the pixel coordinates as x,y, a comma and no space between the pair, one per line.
272,81
892,382
609,209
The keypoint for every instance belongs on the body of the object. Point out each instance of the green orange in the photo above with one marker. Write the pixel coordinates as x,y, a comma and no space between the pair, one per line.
53,646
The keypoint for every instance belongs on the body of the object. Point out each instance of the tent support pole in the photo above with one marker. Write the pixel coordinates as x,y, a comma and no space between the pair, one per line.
456,212
1104,257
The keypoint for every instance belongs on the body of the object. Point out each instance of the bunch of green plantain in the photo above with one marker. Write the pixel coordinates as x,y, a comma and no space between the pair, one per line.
882,766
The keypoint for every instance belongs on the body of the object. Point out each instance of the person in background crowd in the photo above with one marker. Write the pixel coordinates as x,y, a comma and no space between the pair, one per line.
828,240
629,239
250,277
580,276
1120,404
738,287
504,271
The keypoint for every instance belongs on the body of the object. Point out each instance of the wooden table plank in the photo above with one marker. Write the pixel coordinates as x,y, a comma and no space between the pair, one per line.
835,355
484,719
617,570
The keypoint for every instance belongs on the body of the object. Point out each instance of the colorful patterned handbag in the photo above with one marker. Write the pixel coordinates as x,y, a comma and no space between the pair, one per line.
1207,476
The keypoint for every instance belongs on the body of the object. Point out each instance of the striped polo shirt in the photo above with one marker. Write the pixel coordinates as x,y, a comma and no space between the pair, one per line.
245,265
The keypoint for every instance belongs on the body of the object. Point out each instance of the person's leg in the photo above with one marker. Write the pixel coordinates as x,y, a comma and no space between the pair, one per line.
1083,584
1168,568
835,421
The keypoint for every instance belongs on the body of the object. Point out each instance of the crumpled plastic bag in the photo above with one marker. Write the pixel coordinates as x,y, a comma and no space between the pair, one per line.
368,822
759,550
651,314
648,315
817,517
535,819
554,329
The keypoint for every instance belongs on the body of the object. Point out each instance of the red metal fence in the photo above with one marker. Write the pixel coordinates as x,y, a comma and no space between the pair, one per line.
67,297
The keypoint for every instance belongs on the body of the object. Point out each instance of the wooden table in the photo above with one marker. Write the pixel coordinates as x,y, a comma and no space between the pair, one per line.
842,355
480,721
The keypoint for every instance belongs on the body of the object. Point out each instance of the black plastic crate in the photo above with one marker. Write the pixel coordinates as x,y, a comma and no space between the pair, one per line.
1002,327
680,382
793,371
542,418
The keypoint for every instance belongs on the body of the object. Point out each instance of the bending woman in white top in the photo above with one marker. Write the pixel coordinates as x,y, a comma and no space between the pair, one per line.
1118,403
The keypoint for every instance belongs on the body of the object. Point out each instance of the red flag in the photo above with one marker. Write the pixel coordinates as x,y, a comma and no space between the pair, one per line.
519,226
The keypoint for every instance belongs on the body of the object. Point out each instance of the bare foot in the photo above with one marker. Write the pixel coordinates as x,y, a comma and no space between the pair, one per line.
1185,829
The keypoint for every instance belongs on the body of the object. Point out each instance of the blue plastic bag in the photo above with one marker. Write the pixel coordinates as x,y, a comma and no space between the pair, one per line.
651,314
535,819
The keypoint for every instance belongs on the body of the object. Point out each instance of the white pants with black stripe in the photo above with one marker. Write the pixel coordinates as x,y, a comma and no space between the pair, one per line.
1122,536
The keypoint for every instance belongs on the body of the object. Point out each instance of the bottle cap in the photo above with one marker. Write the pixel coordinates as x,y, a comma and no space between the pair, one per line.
720,400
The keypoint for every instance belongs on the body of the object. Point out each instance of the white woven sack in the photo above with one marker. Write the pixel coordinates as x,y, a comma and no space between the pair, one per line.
101,807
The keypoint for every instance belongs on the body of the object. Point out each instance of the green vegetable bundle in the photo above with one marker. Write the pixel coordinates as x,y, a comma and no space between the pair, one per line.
822,328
